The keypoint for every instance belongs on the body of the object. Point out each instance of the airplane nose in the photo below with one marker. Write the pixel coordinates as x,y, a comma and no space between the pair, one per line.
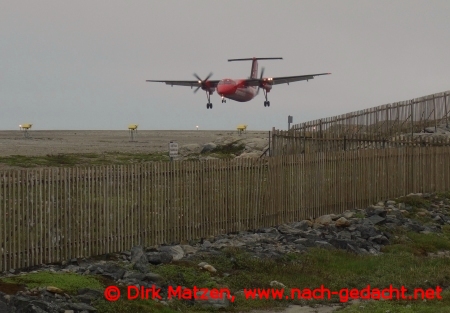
225,89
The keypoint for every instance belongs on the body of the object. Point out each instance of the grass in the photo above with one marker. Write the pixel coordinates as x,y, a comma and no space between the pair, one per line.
82,159
399,265
414,201
420,244
68,282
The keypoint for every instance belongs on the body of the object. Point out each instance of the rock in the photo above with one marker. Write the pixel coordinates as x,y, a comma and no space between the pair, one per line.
139,259
187,249
367,231
323,244
277,285
302,225
376,219
81,307
153,277
342,222
176,252
111,270
348,214
286,229
206,244
54,290
323,220
156,258
344,235
210,268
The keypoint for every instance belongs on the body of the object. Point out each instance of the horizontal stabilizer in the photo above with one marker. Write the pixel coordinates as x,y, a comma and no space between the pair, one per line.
251,59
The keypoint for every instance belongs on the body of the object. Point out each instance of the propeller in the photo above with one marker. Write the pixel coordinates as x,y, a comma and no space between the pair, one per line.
203,83
260,80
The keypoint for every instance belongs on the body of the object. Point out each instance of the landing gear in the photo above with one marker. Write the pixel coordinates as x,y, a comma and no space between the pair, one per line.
209,104
224,100
267,102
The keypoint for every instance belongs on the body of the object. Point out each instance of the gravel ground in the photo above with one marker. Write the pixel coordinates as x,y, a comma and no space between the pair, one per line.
43,142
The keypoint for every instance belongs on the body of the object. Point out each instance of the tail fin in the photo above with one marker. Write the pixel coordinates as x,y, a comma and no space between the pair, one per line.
254,71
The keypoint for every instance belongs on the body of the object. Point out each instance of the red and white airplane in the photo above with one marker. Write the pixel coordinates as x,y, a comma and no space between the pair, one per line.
241,90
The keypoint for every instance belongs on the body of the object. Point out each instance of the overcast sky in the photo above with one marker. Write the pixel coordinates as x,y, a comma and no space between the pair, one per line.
83,64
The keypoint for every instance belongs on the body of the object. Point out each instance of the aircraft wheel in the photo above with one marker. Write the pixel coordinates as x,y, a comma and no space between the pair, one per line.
210,105
207,105
268,103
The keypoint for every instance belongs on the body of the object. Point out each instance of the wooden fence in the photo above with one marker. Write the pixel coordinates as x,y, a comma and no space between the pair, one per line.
54,214
294,142
411,116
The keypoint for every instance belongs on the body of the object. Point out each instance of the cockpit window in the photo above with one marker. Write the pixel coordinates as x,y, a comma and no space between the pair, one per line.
226,82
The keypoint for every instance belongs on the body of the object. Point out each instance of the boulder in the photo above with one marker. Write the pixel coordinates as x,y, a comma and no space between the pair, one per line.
324,220
342,222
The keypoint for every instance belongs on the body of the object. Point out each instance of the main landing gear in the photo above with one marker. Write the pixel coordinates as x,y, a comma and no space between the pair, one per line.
267,102
209,104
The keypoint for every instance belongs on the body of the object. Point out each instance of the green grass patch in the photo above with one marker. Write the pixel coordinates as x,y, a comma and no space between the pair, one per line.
68,282
335,269
414,201
83,159
185,274
232,148
419,244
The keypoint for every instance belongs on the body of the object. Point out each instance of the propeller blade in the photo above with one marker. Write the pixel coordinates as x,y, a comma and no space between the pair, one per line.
207,77
197,89
196,76
260,80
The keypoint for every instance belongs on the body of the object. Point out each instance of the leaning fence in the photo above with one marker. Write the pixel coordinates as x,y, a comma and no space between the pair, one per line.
385,121
54,214
293,142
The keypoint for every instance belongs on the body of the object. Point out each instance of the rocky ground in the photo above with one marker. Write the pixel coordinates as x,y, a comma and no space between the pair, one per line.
362,232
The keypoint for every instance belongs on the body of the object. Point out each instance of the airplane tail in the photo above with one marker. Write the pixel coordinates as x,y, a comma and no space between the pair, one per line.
254,71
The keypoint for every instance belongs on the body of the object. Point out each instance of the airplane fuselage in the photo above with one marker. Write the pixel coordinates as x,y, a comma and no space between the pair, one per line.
235,90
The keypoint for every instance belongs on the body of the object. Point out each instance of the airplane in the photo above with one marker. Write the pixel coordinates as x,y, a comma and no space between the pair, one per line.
241,90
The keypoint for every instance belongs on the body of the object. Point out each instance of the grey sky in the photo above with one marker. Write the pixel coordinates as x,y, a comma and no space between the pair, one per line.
83,64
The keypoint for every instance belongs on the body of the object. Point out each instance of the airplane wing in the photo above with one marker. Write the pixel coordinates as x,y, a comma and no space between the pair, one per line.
189,83
283,80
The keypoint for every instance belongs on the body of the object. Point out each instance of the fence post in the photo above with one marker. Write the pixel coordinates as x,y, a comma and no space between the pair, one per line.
412,120
446,112
434,110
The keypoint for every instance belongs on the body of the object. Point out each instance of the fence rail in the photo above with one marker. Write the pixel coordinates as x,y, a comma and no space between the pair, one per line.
54,214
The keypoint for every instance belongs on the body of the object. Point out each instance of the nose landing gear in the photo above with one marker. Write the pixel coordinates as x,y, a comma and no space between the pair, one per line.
224,100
